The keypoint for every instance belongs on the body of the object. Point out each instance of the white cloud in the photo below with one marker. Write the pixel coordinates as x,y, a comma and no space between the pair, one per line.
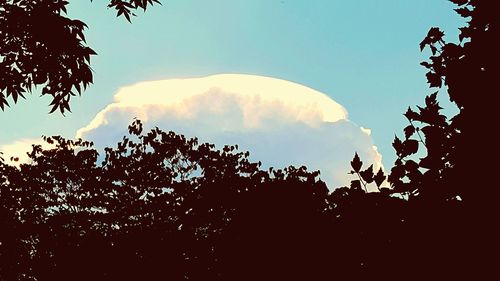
255,99
280,122
19,150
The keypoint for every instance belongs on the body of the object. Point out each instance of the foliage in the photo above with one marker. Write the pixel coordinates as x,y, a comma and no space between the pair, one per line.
126,7
366,176
154,195
40,47
161,206
454,146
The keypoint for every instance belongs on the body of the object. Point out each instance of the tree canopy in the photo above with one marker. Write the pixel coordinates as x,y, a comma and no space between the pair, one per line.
159,206
457,152
41,47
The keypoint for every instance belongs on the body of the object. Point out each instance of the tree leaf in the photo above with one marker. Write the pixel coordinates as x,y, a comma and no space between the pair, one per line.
426,64
411,146
356,163
434,80
411,115
409,131
435,34
367,175
355,184
398,145
379,178
464,12
459,2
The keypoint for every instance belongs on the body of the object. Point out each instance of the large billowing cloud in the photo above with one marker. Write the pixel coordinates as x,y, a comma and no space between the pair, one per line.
281,123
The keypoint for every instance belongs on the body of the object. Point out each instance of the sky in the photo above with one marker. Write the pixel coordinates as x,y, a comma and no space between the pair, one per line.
363,54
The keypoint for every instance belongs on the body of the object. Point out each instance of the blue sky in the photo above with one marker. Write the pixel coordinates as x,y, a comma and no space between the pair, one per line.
362,53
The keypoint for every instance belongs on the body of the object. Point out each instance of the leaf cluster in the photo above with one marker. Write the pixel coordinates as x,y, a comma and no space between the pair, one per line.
39,46
126,7
42,48
366,176
449,149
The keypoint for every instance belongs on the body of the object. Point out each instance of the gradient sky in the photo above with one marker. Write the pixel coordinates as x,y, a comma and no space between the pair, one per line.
362,53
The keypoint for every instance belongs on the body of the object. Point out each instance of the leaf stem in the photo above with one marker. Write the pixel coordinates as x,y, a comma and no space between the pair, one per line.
362,182
418,133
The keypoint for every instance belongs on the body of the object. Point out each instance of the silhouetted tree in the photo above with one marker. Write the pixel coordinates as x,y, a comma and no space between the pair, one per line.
158,205
458,150
39,46
161,206
446,220
456,147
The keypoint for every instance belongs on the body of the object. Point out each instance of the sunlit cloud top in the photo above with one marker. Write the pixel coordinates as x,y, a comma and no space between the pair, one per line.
258,98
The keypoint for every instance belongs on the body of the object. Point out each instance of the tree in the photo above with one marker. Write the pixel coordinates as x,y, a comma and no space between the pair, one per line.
39,46
159,206
457,148
156,205
458,168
